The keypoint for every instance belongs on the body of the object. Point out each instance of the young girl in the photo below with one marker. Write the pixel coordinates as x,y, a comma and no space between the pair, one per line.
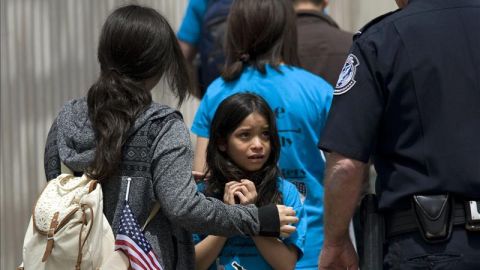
242,157
117,134
261,57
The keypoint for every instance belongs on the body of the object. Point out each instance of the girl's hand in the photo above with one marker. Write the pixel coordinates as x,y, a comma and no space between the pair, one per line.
197,176
243,192
200,176
230,189
248,193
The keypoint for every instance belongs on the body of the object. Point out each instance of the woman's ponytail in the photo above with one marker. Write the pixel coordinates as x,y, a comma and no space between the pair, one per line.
259,33
114,102
233,70
137,47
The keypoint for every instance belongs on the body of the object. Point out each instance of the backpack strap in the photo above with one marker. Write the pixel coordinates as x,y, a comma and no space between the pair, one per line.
153,213
50,234
80,243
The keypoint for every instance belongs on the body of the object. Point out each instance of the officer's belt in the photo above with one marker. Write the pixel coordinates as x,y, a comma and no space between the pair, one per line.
404,221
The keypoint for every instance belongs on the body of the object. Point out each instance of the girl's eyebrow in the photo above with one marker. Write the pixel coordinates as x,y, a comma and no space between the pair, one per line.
250,128
243,129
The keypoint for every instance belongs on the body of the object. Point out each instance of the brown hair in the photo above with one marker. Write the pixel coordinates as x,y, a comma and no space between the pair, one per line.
136,44
259,33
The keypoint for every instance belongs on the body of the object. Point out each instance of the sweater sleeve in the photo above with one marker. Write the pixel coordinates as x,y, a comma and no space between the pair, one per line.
51,158
180,201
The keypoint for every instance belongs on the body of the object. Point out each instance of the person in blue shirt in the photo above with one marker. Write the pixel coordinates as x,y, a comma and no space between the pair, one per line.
201,38
190,29
242,157
261,57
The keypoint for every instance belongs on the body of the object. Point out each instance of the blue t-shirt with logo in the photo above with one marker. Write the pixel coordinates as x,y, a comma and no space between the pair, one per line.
300,101
190,29
240,252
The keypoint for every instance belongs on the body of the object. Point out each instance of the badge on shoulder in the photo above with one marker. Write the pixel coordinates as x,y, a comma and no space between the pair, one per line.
346,80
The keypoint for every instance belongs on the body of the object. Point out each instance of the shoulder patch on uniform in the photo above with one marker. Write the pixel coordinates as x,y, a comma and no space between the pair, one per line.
372,22
346,80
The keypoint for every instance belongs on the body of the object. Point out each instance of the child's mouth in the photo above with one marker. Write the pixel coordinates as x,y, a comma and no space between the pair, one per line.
255,157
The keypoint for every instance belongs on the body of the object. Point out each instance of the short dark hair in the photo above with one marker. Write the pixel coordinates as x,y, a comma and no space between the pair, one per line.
229,115
136,44
259,33
315,2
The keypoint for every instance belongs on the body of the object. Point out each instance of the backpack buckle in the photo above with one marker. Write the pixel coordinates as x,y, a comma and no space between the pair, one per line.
51,233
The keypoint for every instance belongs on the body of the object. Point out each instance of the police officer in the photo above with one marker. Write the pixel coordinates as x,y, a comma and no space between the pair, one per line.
408,99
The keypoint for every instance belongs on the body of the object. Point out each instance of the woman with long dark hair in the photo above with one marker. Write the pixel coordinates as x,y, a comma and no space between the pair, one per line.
242,156
261,57
117,135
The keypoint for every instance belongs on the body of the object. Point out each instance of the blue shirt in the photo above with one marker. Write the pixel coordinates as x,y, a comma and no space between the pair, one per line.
240,252
191,26
301,101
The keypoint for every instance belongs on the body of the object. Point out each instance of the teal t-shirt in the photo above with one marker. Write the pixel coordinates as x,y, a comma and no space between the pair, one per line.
240,252
300,101
191,27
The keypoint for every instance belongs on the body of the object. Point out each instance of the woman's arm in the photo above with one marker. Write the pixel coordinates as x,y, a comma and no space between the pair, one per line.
207,251
51,158
276,253
182,204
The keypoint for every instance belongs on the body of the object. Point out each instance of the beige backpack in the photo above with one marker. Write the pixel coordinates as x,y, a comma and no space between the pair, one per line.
67,229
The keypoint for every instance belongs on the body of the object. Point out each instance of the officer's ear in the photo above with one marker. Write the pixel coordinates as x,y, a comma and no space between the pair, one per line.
401,3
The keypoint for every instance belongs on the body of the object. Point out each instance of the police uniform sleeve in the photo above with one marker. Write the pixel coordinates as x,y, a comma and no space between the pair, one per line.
357,105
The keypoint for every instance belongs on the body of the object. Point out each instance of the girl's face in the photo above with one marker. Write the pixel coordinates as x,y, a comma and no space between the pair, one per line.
249,144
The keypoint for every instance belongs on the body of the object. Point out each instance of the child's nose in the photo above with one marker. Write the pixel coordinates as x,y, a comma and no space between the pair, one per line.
257,143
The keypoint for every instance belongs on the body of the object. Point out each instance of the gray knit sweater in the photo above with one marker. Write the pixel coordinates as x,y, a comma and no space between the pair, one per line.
158,158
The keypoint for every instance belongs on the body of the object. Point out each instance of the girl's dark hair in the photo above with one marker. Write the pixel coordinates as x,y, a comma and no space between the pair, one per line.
137,47
259,33
229,115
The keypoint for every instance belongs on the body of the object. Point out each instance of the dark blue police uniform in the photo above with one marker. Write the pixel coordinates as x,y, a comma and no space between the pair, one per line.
408,99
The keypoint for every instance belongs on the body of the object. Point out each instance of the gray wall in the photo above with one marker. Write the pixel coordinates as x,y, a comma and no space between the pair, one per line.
353,14
48,55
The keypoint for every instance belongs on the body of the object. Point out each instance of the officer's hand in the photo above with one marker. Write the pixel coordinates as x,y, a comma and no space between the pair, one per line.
341,256
287,217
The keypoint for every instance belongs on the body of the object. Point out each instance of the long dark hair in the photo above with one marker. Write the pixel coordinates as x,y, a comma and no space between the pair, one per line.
260,33
229,115
137,45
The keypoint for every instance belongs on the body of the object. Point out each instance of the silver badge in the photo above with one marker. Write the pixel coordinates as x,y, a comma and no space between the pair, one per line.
346,80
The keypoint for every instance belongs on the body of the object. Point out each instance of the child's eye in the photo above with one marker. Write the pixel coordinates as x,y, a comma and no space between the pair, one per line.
266,134
244,135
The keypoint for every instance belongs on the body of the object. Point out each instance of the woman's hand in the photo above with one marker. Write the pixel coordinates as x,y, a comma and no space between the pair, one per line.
287,217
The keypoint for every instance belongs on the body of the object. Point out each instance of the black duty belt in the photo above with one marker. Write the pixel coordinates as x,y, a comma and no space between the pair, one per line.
405,221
